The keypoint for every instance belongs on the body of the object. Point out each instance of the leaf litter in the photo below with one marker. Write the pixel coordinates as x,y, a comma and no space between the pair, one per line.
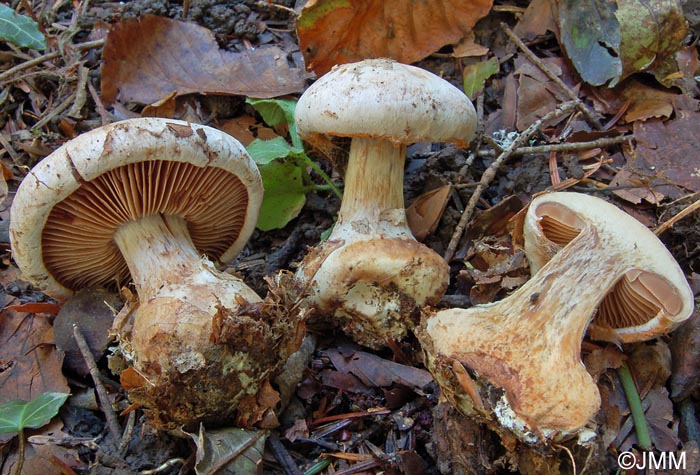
380,411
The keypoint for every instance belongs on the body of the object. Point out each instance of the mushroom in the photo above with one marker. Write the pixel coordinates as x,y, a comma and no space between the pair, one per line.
146,199
371,273
641,305
524,351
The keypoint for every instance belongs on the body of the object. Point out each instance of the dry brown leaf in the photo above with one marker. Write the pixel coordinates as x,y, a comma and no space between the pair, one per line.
423,215
668,150
30,365
335,32
147,59
539,17
468,47
537,94
375,371
685,347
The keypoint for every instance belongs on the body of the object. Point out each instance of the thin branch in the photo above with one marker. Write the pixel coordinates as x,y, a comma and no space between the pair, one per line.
491,171
106,406
591,116
565,147
49,56
666,225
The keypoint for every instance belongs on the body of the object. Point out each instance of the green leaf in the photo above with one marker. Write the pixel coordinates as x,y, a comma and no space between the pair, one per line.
274,111
20,30
17,415
278,111
285,194
475,75
265,151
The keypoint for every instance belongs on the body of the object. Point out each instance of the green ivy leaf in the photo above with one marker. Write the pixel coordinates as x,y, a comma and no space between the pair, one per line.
17,415
285,194
265,151
20,30
475,75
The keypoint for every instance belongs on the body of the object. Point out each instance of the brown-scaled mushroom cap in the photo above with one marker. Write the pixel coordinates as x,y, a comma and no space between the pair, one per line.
651,299
68,208
382,106
523,352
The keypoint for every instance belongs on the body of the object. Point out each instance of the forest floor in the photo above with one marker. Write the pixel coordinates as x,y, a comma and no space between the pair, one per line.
354,410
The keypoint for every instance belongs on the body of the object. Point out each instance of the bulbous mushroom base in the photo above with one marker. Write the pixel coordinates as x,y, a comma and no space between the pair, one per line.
198,360
374,288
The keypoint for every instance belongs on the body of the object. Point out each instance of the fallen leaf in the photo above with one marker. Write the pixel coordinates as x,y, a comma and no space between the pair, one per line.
468,47
620,38
375,371
149,58
627,186
475,76
229,450
685,349
590,35
650,35
93,310
343,31
423,215
539,18
668,151
537,94
28,366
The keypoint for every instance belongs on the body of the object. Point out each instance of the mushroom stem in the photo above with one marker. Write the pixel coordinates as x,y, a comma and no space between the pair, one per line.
373,196
158,250
529,343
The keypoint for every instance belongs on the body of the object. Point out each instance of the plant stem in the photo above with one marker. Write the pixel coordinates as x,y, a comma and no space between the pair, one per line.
318,467
323,175
635,404
20,456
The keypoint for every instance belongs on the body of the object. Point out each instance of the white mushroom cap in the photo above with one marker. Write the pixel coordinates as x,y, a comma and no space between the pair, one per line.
652,298
70,204
383,99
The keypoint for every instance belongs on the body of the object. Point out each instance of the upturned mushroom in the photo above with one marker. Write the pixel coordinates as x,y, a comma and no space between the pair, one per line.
371,274
640,306
146,200
516,363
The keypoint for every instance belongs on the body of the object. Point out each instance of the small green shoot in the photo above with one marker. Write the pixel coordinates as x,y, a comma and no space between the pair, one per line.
283,166
17,415
635,403
20,30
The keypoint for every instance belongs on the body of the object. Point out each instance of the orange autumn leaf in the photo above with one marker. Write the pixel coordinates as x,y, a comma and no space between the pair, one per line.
343,31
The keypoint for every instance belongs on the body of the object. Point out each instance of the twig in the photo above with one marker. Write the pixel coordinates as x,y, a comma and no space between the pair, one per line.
112,422
491,171
663,227
48,57
164,466
591,116
104,116
55,111
282,456
565,147
128,432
